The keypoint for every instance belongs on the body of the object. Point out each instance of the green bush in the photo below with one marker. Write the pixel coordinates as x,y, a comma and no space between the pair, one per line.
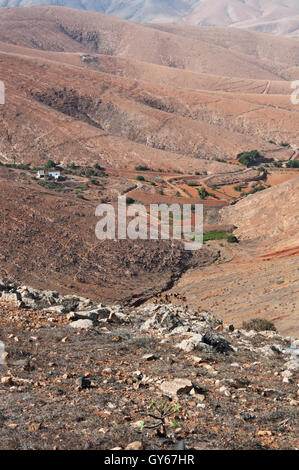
232,239
259,324
293,164
140,178
141,168
50,164
250,158
203,193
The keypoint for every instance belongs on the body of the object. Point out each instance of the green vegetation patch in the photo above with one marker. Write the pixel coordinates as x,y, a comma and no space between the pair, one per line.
53,186
219,235
142,168
250,158
293,164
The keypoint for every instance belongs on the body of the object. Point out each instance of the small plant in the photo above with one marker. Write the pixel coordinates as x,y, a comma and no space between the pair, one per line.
140,178
160,414
259,324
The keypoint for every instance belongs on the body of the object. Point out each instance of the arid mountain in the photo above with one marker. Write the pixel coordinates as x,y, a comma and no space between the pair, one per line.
84,89
272,16
252,216
94,323
70,70
262,280
225,52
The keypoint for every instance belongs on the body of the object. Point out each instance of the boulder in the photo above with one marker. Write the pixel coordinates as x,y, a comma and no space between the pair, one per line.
176,387
11,298
82,324
190,344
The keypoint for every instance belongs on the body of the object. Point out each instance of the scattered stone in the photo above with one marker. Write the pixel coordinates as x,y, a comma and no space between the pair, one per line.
11,298
246,416
176,387
34,427
137,445
164,320
83,383
149,357
189,345
220,344
82,324
7,380
264,433
287,374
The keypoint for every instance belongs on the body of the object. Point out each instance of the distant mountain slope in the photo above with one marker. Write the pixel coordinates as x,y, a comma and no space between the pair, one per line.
273,16
218,51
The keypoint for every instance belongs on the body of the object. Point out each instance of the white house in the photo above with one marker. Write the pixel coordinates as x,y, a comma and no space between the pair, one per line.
40,174
54,174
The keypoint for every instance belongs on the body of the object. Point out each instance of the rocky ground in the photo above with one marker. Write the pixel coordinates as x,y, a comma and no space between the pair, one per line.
80,375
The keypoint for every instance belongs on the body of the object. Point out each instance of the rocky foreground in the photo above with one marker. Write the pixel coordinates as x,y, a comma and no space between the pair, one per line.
82,375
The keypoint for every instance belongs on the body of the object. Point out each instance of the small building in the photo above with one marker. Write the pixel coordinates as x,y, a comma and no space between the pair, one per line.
54,175
40,174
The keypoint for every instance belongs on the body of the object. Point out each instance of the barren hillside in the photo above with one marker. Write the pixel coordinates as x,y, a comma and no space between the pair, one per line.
86,89
271,217
273,16
262,280
210,50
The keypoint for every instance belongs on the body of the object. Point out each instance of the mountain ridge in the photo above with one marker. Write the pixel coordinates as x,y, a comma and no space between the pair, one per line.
277,17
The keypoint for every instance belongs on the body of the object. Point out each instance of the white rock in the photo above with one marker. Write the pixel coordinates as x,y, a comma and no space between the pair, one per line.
287,374
82,324
176,387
